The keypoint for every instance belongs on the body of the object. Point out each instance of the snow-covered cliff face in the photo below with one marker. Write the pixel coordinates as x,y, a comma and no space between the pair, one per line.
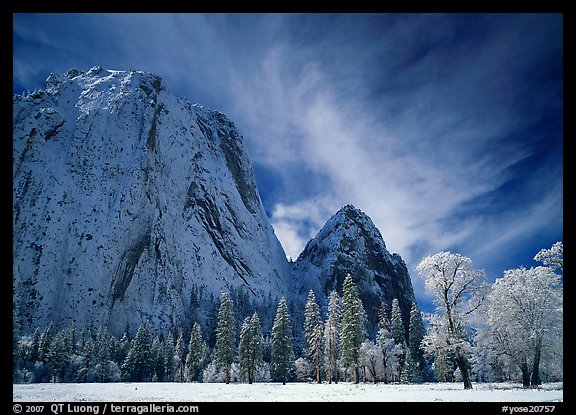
125,200
349,242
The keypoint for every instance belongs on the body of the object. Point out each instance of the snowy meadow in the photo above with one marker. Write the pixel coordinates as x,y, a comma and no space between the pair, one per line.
291,392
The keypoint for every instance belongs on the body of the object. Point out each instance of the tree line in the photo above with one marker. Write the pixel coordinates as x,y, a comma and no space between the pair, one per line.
507,331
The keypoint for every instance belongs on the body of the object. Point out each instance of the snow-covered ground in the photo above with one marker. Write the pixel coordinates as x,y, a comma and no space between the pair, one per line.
274,392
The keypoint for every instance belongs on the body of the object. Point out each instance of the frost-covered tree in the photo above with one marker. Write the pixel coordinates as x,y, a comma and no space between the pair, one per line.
331,337
313,332
282,351
552,257
225,336
211,374
353,326
371,359
303,368
250,347
459,291
197,354
525,317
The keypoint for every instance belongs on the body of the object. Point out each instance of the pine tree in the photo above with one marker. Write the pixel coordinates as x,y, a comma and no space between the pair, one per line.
169,355
313,332
353,326
103,369
44,343
16,352
123,347
398,333
250,348
88,353
256,343
57,357
197,354
416,334
389,350
409,369
244,351
34,345
70,338
331,337
180,355
137,366
157,357
282,351
225,336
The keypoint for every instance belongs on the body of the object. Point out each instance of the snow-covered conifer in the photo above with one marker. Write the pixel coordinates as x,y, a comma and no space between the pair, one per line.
169,358
57,357
313,332
225,336
250,348
416,333
331,337
398,333
137,366
353,326
180,355
157,358
281,343
197,354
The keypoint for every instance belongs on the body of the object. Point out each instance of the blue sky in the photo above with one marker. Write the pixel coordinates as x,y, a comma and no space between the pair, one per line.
446,129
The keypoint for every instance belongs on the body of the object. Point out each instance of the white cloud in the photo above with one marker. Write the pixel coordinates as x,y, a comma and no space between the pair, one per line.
297,223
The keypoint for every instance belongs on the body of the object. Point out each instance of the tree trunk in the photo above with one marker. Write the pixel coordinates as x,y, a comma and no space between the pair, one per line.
227,376
525,373
336,375
318,367
356,374
462,363
535,380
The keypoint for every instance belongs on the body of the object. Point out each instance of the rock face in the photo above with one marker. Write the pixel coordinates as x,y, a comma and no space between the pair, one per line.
350,243
125,200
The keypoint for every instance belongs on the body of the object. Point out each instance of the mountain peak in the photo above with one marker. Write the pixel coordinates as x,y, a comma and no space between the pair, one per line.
352,222
349,242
